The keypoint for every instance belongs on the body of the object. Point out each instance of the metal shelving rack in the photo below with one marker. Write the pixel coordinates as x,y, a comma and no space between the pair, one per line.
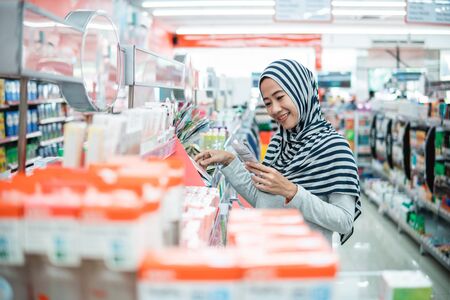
402,226
146,70
22,60
438,212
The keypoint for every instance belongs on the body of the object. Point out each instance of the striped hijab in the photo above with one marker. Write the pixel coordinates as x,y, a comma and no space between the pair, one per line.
312,155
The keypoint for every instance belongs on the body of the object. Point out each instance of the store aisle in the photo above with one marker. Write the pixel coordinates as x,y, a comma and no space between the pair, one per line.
376,246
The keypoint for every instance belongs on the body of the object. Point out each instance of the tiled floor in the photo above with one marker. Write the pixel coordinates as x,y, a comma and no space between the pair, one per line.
376,246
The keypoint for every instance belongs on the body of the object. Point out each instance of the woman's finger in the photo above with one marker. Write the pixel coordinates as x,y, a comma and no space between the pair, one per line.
254,170
260,180
258,166
213,159
201,155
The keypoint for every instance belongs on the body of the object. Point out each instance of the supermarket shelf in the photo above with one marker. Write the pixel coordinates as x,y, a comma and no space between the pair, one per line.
436,209
429,248
8,140
45,101
52,120
441,212
29,162
16,138
423,242
33,102
52,141
406,228
34,135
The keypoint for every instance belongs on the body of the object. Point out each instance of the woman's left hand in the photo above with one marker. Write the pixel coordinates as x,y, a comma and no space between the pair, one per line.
271,181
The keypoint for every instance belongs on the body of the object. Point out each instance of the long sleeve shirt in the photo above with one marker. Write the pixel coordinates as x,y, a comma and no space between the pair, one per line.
326,214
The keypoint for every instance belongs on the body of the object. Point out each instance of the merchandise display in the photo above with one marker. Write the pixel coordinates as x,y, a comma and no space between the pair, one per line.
134,158
46,114
407,166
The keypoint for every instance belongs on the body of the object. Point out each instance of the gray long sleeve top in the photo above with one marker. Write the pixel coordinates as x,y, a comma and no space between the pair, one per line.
325,214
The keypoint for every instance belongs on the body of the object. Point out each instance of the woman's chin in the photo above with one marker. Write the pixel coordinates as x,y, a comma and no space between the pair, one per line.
287,125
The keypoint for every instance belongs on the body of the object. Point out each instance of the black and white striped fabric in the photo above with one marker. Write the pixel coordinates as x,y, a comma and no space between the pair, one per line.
312,155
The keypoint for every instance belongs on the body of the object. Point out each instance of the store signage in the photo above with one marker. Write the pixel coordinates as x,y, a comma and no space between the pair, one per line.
303,10
407,76
440,85
428,11
334,79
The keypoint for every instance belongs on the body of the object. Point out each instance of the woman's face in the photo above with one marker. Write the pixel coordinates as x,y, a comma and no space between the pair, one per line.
278,104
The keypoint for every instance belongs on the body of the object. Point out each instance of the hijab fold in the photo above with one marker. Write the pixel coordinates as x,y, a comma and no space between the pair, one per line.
312,155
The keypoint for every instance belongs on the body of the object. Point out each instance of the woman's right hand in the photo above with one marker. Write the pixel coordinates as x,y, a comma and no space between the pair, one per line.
208,157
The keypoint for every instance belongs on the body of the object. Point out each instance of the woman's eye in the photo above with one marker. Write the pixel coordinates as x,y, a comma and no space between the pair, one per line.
279,98
267,103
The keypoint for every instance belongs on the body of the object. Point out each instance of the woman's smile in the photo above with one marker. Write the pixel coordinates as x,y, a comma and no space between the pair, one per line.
283,117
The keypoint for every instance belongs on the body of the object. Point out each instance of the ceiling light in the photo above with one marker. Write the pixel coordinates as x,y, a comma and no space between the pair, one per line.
338,3
217,3
314,29
213,12
362,12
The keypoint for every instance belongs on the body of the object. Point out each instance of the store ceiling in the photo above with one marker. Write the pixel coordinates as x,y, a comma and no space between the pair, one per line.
182,14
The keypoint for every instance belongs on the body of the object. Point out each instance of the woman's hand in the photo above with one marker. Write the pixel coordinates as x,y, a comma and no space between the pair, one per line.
269,180
208,157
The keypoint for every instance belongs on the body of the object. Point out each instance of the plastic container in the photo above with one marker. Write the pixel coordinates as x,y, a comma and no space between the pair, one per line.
54,283
11,225
288,275
189,275
113,228
100,283
14,283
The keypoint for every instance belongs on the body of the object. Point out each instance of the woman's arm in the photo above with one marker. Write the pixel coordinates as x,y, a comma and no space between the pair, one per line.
241,180
337,215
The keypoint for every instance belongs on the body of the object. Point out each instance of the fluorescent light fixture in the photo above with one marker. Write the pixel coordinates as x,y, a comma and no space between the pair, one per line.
367,12
213,12
50,24
217,3
338,3
315,29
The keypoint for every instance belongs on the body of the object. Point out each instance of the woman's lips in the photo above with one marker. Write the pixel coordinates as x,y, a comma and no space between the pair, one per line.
283,117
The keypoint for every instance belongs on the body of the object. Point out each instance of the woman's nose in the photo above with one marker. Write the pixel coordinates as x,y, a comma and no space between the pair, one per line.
276,108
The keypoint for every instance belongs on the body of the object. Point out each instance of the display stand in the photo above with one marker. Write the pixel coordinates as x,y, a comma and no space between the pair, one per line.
25,57
415,152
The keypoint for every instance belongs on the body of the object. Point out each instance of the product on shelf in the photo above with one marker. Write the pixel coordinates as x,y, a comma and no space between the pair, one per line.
11,155
50,110
48,91
2,125
12,123
214,138
32,90
73,144
12,91
200,208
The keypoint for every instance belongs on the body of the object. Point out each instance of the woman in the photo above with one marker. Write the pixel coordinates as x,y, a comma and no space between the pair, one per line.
308,165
